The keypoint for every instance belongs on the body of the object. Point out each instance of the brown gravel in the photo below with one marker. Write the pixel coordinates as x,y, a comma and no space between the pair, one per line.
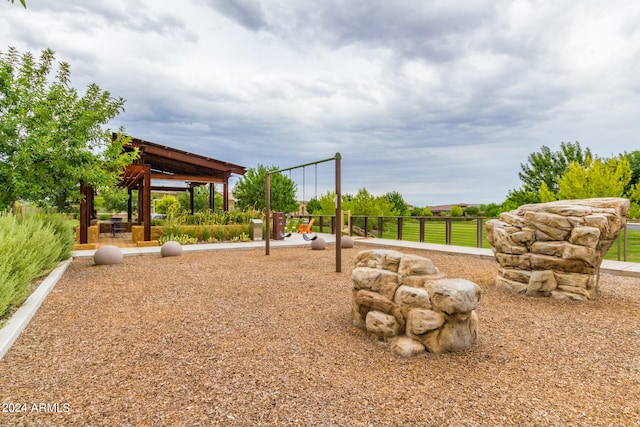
243,339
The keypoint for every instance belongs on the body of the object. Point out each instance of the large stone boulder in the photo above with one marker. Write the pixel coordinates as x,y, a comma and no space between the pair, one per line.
405,300
555,249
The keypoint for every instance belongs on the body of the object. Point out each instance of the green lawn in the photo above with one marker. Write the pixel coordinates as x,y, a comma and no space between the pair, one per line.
463,233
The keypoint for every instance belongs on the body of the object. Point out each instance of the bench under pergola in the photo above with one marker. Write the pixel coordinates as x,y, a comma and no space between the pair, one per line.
162,163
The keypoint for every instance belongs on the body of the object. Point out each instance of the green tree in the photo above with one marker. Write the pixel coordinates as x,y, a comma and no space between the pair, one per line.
51,138
115,199
519,197
314,205
364,203
491,210
167,203
546,166
546,195
200,200
456,211
471,211
397,201
249,191
596,178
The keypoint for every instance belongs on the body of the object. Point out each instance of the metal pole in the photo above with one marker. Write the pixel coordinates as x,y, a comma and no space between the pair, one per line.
267,208
338,215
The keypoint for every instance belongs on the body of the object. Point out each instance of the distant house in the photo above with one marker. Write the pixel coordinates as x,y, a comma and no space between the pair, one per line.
443,210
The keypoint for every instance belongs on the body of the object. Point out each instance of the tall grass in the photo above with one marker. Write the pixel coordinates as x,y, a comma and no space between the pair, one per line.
29,247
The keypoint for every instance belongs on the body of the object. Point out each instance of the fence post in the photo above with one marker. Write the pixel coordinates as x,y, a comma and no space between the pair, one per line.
447,231
380,227
399,228
421,230
479,233
366,226
625,243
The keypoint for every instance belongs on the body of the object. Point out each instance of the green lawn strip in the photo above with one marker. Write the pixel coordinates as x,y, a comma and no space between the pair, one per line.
463,233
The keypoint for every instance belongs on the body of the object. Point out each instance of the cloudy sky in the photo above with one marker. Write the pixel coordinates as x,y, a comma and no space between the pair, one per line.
440,101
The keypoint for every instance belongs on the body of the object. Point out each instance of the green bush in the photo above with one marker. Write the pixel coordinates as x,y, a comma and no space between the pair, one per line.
29,247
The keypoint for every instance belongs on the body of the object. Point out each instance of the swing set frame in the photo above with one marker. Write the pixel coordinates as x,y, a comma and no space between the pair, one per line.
267,202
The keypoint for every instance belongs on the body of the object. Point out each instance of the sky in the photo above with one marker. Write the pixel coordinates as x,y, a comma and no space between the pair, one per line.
440,101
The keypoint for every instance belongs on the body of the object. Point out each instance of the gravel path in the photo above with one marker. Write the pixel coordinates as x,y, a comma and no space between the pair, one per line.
242,339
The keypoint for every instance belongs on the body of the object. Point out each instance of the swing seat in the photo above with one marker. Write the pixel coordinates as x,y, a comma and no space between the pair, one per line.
306,228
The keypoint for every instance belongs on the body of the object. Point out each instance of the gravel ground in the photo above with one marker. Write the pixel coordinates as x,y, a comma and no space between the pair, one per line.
242,339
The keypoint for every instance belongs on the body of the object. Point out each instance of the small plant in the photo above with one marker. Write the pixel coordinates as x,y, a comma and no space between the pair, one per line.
183,239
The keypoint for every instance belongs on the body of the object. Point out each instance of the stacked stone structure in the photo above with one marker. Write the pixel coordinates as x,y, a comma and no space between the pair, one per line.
555,249
405,300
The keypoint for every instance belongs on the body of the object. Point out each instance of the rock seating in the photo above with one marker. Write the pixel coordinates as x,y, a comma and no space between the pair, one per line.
318,244
171,248
346,242
107,255
555,249
405,300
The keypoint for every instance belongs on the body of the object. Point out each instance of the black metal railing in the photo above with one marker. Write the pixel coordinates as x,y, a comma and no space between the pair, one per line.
458,231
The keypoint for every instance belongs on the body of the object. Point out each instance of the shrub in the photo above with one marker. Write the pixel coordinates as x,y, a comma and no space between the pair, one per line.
29,247
456,211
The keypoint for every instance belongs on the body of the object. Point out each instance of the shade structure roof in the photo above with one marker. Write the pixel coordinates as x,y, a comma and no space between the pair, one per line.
168,163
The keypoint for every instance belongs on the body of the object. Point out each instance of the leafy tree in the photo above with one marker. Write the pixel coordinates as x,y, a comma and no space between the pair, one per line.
166,204
314,205
519,197
596,178
546,195
200,200
456,211
634,162
472,211
250,188
364,203
115,199
397,201
547,166
50,137
491,210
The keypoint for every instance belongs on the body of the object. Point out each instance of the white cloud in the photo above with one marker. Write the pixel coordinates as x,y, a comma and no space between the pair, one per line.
440,101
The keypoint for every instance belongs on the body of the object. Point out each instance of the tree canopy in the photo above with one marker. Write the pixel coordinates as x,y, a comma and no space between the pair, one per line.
547,166
249,191
23,2
596,178
51,138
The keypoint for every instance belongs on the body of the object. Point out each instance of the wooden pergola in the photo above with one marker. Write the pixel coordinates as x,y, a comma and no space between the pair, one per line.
162,163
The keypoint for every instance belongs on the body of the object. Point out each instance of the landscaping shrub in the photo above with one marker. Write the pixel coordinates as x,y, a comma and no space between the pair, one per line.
29,247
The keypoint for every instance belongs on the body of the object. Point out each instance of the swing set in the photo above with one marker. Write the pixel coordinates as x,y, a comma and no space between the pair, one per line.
267,199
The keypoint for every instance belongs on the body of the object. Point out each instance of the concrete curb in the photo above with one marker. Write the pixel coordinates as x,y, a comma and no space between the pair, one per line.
23,315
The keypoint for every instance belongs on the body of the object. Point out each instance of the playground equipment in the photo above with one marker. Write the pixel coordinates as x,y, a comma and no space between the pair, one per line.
306,228
267,197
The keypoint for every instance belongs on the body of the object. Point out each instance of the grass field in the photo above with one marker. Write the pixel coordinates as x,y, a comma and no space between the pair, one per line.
463,233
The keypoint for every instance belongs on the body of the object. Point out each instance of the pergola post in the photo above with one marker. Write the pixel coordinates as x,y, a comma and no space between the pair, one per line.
212,196
225,195
147,202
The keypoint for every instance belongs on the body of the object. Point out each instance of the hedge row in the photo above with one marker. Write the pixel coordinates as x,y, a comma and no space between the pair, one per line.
29,248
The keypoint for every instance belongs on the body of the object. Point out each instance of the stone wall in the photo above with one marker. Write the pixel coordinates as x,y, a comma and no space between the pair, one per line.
405,300
555,249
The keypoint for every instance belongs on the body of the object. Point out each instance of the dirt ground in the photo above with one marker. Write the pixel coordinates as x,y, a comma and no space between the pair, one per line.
243,339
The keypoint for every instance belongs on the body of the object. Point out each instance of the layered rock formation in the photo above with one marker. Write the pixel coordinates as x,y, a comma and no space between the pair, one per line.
405,300
555,249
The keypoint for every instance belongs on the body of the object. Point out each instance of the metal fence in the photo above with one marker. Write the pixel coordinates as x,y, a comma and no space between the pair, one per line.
458,231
